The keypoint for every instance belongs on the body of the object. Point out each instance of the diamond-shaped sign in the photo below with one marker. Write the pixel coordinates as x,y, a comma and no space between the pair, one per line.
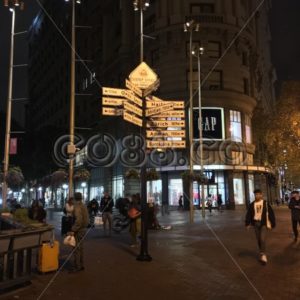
143,76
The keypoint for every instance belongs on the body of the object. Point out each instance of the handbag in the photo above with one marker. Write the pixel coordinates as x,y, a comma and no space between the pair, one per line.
98,221
268,223
133,213
69,240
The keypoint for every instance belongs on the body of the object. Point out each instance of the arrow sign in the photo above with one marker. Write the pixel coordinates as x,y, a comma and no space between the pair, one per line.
132,119
108,111
165,133
134,88
171,114
158,110
154,103
113,92
133,109
112,101
166,144
166,124
130,96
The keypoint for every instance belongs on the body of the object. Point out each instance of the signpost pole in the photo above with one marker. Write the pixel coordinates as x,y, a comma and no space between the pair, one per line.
144,255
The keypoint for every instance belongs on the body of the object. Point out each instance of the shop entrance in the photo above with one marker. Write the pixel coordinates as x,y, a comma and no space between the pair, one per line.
209,189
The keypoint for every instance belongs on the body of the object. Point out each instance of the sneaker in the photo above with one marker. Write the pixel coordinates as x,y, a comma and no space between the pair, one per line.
133,245
263,258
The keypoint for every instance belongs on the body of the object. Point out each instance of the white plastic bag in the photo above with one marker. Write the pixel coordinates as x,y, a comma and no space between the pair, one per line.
98,221
69,240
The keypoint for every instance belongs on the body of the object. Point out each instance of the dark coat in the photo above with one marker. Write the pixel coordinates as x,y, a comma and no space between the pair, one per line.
250,215
106,204
295,212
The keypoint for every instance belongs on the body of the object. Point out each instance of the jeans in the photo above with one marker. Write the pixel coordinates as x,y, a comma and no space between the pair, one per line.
78,252
107,217
295,229
261,235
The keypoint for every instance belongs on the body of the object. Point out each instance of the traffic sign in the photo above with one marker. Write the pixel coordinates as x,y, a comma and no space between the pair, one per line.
166,144
165,123
112,101
171,114
158,110
155,103
133,108
165,133
130,96
134,88
109,111
132,119
143,76
113,92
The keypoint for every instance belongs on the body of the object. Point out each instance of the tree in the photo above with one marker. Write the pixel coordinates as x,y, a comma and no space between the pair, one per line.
282,137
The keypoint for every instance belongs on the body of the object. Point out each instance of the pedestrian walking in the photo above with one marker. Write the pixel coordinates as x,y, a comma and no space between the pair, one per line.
180,203
135,222
220,203
67,220
209,203
260,215
294,206
106,206
78,230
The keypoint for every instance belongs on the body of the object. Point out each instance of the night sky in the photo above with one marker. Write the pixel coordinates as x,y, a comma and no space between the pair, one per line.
285,29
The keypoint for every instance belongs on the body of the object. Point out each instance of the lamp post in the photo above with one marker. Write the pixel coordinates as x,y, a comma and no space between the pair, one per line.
190,27
198,52
141,5
71,149
12,5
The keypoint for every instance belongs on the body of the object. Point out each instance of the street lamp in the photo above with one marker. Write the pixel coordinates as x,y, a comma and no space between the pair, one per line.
11,4
191,26
142,5
71,149
198,52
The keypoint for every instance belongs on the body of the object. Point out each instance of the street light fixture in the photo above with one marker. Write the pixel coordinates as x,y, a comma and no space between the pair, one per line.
198,52
11,4
71,147
190,27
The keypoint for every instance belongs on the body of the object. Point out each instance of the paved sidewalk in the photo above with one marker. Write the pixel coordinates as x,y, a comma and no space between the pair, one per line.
213,259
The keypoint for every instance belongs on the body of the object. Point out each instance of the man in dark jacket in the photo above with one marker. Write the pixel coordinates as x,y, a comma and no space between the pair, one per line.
256,216
106,205
294,206
79,229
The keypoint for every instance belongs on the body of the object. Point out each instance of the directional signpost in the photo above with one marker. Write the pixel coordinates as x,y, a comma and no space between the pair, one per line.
162,123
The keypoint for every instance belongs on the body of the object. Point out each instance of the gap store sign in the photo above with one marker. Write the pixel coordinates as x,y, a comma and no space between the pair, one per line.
212,123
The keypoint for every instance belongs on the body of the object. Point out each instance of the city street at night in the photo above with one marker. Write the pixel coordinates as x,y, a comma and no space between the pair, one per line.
212,260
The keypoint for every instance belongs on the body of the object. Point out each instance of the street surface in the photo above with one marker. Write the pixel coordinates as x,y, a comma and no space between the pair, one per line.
215,259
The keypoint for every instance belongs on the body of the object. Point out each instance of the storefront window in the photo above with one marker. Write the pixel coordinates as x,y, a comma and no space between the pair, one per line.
251,187
248,129
238,189
117,187
175,191
154,191
96,192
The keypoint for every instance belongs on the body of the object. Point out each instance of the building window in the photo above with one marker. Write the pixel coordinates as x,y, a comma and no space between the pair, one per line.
248,129
245,58
237,157
235,126
202,8
246,86
249,159
194,80
213,49
215,80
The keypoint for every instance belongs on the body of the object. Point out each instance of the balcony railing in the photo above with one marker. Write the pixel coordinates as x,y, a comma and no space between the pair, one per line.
206,18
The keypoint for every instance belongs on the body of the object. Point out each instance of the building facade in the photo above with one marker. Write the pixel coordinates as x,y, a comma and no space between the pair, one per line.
237,78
